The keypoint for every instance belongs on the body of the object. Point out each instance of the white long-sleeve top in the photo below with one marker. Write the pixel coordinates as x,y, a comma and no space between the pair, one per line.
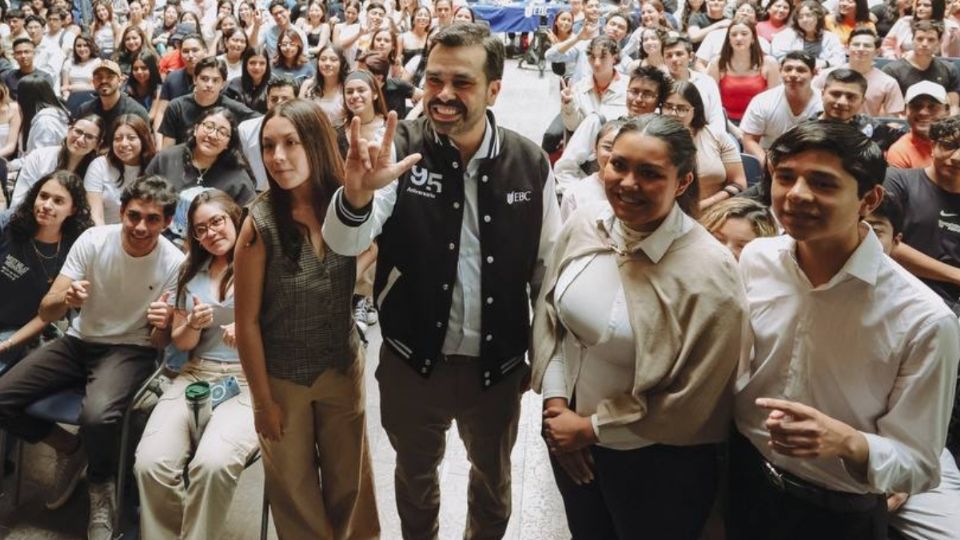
873,348
612,103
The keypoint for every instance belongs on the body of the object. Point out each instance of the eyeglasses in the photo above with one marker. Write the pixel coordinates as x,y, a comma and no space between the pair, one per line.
88,137
212,129
645,96
672,108
215,223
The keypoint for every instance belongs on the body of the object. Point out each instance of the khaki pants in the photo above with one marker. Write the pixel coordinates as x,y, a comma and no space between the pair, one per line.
416,414
325,421
168,509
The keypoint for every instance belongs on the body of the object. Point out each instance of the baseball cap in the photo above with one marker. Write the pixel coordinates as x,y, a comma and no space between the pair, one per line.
109,65
182,30
926,88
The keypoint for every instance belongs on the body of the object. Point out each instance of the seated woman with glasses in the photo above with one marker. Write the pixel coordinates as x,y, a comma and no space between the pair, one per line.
74,154
719,166
34,242
211,158
203,325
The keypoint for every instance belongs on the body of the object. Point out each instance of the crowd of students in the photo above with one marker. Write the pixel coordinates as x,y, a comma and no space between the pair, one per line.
194,174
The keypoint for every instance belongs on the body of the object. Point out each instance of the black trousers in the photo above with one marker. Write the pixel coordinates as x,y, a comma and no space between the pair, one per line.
652,493
111,374
758,510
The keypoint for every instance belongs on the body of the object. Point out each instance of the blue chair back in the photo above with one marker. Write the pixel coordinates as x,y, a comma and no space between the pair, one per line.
753,169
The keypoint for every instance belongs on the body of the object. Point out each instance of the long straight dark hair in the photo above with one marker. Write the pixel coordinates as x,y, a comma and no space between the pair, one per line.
34,94
197,256
326,170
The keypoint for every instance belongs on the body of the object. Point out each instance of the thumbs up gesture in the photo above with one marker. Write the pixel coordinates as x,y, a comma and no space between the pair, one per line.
201,316
159,312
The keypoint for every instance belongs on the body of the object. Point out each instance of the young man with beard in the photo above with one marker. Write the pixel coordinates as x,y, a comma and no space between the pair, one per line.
182,114
926,104
647,88
110,102
121,276
454,297
828,425
773,112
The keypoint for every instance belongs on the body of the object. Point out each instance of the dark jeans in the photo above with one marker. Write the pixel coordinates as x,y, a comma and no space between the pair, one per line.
654,492
111,374
760,511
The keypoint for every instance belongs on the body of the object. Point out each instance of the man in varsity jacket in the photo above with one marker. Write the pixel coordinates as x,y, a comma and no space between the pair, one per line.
461,235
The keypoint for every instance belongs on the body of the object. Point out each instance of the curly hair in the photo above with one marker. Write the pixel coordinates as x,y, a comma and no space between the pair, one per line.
23,222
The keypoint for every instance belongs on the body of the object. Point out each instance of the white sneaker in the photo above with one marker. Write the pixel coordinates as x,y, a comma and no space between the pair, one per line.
371,316
69,470
101,511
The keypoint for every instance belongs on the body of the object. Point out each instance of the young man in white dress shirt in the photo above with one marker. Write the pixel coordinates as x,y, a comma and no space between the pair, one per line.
849,388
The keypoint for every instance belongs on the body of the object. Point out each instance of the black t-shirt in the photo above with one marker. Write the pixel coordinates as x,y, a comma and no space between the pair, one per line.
178,83
24,277
256,100
939,72
126,105
396,92
701,20
176,166
184,112
12,79
931,221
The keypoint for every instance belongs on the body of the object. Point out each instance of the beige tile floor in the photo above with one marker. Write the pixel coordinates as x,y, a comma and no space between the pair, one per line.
526,104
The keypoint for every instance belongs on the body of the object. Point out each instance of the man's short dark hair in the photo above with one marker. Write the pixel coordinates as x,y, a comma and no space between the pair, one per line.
464,34
15,13
859,156
196,37
866,31
847,76
56,11
945,129
276,3
605,43
656,75
281,82
21,41
34,18
154,189
801,56
674,40
212,62
890,210
927,25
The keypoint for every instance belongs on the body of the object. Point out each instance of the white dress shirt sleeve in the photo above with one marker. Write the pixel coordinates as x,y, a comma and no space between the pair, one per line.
905,451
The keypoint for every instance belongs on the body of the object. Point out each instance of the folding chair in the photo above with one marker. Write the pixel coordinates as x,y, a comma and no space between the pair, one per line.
752,168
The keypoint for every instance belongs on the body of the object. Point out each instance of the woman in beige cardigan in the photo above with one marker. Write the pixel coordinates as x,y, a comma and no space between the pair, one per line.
637,337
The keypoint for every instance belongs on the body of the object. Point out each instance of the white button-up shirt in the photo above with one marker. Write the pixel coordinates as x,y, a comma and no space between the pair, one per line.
873,348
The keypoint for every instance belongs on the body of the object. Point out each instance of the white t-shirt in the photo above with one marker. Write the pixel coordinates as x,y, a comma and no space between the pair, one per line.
121,287
769,115
33,167
102,178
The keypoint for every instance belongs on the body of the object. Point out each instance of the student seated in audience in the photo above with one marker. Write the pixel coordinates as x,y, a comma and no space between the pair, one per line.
111,102
604,92
634,428
926,104
901,37
109,349
143,84
279,91
738,221
193,505
884,97
742,70
719,167
251,87
45,119
74,154
590,189
827,425
47,57
180,81
921,63
575,49
647,88
210,158
773,112
34,241
181,116
711,45
678,53
808,33
129,152
843,98
23,53
934,514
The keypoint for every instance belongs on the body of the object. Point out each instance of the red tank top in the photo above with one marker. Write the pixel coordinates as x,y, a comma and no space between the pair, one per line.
736,91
